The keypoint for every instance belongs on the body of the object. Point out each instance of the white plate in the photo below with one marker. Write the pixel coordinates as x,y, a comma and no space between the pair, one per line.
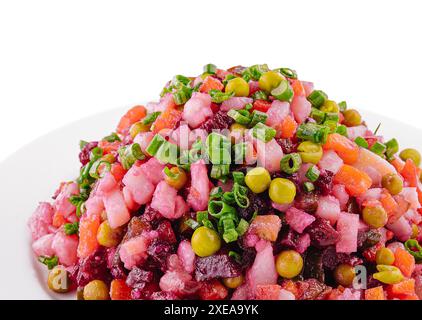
33,173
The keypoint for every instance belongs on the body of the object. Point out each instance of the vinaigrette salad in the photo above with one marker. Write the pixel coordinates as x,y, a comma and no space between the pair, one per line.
238,184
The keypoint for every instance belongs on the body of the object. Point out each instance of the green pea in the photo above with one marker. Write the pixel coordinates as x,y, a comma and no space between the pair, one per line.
282,191
310,152
289,264
330,106
205,242
393,183
270,80
238,86
344,275
352,118
96,290
384,256
412,154
375,217
258,179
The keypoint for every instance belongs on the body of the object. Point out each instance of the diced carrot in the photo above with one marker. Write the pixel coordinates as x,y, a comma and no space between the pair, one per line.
288,127
345,148
167,119
389,204
119,290
413,296
133,115
356,182
376,293
261,105
117,171
109,147
411,174
297,87
398,164
404,288
58,219
211,83
88,227
370,253
404,261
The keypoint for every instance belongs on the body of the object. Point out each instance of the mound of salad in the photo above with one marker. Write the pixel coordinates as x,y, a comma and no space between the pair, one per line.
244,183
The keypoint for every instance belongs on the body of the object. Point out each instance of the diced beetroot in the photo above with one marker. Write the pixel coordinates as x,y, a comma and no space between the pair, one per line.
253,86
298,220
186,256
330,161
197,110
322,233
273,292
266,227
65,248
216,266
281,207
302,243
339,191
115,206
62,203
200,188
401,228
241,293
276,113
347,227
41,220
165,232
263,271
143,139
164,201
152,170
328,208
134,251
269,155
301,108
43,246
235,103
138,185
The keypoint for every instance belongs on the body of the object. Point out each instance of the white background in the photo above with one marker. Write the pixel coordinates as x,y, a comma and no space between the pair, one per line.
64,60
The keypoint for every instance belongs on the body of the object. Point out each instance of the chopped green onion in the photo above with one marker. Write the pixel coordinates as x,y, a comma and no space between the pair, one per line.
248,106
287,72
112,137
210,68
254,72
291,163
342,106
218,148
411,245
260,95
96,153
258,116
171,175
318,115
333,116
308,186
239,151
228,197
230,235
263,132
238,177
342,129
219,170
317,98
192,224
150,118
240,196
155,144
331,124
93,170
234,255
312,173
218,96
228,78
216,193
392,148
378,148
242,227
239,117
129,154
283,92
71,228
179,81
218,208
82,144
50,262
361,142
182,95
168,153
313,132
